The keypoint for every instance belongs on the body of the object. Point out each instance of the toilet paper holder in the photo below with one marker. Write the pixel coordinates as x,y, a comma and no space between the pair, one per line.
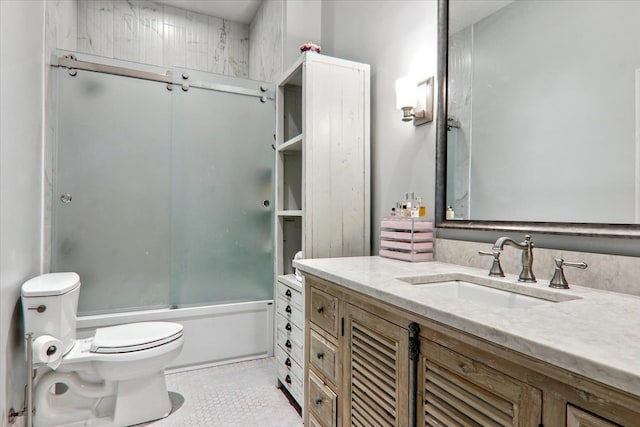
27,409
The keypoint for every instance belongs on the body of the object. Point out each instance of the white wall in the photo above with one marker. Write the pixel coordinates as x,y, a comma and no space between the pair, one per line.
21,105
398,38
301,24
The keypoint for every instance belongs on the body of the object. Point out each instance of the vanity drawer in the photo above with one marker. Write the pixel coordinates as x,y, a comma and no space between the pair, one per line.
289,364
322,355
290,329
322,401
291,382
291,346
290,294
290,311
324,311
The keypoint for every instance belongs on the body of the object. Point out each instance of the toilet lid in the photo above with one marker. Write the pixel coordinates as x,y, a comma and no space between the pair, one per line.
134,337
50,284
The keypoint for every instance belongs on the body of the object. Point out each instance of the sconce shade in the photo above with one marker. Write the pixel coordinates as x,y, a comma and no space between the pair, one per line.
405,93
415,100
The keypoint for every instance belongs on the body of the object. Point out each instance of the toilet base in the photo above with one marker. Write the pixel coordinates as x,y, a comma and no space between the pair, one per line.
105,404
141,401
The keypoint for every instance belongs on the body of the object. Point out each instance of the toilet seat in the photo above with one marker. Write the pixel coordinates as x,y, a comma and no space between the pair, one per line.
134,337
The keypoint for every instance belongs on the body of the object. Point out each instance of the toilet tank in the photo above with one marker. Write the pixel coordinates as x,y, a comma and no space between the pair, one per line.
50,305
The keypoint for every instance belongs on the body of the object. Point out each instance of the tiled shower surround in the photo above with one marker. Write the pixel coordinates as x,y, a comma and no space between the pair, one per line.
156,34
151,33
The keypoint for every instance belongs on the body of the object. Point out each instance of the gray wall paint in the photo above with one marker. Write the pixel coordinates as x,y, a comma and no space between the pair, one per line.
553,112
21,105
398,38
394,37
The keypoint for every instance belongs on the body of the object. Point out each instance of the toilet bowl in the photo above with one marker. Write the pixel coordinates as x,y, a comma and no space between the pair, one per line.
115,378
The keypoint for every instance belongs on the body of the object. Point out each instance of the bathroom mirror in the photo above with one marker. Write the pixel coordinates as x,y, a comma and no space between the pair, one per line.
539,116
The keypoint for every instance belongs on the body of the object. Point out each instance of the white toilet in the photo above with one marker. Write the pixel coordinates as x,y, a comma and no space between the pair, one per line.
116,378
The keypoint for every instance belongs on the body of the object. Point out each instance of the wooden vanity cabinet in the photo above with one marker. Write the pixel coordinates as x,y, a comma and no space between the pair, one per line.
375,370
364,374
457,390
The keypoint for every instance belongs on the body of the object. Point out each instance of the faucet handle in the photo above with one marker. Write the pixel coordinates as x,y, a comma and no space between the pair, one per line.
496,268
558,280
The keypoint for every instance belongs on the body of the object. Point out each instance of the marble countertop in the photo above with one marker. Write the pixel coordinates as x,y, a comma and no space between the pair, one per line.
596,335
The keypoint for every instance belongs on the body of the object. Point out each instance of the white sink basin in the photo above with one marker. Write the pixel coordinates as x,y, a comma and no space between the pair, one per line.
488,291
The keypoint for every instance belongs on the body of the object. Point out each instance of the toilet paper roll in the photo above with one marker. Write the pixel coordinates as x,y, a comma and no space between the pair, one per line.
47,350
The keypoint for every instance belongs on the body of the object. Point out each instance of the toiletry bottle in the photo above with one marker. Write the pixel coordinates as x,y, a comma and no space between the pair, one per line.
450,214
415,209
422,209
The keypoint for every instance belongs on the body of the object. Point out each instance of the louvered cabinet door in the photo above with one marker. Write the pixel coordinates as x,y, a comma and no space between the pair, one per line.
375,376
458,391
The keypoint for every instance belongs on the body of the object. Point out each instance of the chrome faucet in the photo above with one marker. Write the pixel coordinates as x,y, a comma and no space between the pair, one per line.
526,246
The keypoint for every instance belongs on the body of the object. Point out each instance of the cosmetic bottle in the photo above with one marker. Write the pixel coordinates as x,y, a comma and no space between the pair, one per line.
450,214
422,209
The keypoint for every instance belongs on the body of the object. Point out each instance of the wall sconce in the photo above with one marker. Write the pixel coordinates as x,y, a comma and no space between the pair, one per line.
415,101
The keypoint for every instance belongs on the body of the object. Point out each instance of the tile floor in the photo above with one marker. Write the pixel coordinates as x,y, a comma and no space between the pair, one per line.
236,395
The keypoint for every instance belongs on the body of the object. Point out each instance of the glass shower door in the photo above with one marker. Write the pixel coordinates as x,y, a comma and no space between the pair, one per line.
163,198
222,165
111,197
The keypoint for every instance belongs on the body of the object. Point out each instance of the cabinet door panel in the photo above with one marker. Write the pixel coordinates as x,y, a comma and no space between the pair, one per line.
376,371
576,417
461,391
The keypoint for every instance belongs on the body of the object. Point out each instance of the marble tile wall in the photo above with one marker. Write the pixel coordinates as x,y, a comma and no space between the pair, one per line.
459,146
150,33
608,272
265,50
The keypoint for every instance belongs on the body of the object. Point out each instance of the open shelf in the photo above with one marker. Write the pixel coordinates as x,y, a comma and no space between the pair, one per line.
289,213
290,232
294,144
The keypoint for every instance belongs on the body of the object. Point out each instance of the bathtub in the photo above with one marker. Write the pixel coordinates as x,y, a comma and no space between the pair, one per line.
213,335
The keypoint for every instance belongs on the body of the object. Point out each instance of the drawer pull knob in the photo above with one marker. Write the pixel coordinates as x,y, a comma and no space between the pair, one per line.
320,355
287,362
288,379
288,293
320,309
288,326
287,344
288,309
318,401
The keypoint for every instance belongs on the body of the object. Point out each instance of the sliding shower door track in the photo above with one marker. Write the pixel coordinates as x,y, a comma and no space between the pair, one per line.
72,64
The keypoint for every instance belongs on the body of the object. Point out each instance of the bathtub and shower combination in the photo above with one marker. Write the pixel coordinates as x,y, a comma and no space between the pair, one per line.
159,196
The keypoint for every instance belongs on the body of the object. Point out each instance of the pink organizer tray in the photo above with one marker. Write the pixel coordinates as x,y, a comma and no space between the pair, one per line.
406,246
407,256
407,235
406,223
406,238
